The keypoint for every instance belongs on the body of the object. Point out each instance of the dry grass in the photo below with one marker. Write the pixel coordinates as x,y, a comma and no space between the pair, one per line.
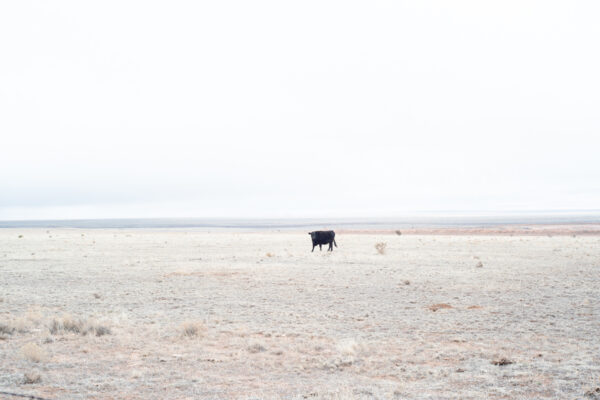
95,328
33,352
192,329
68,324
6,329
256,348
381,247
31,377
277,330
348,347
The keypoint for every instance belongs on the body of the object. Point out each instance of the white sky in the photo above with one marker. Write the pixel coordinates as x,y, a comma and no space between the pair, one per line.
307,108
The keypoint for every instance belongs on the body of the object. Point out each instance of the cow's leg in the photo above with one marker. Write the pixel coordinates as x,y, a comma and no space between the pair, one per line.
320,247
313,248
330,246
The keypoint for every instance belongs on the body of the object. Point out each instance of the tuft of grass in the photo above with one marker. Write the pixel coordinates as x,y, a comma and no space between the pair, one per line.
33,352
398,233
72,325
479,265
270,255
75,325
192,328
256,348
348,347
20,236
22,324
31,377
380,247
100,330
6,329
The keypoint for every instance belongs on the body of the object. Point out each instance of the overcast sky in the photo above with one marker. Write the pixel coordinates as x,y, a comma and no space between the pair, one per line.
306,108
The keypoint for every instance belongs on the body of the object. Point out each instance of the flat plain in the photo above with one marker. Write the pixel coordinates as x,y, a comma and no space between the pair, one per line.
165,314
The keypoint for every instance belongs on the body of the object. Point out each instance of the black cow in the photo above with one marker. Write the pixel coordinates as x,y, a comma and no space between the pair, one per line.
323,237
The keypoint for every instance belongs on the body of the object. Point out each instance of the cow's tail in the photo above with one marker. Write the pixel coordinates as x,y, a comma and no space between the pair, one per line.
334,242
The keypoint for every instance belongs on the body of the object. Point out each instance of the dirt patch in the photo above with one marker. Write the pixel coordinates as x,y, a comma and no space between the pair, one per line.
440,306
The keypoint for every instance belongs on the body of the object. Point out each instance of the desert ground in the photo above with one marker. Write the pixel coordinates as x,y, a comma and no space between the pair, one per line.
163,314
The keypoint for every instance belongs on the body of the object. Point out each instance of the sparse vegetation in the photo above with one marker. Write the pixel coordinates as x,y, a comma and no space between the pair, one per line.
479,265
6,330
78,326
33,352
593,394
502,361
348,347
192,328
304,327
380,247
256,348
398,233
31,377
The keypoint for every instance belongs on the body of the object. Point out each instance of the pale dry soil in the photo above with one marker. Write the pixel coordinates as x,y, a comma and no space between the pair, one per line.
268,319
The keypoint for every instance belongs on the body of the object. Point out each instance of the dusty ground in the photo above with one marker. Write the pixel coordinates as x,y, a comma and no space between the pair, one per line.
257,316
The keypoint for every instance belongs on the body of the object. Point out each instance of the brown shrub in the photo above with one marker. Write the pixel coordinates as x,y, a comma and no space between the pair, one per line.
191,328
33,352
31,377
380,247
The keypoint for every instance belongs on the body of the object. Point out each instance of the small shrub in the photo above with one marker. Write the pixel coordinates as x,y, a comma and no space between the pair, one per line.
21,325
479,265
191,328
101,330
380,247
34,353
72,325
398,233
348,347
31,378
256,348
6,329
55,326
502,361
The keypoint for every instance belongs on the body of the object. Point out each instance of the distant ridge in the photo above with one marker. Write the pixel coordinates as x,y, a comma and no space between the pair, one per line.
430,221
